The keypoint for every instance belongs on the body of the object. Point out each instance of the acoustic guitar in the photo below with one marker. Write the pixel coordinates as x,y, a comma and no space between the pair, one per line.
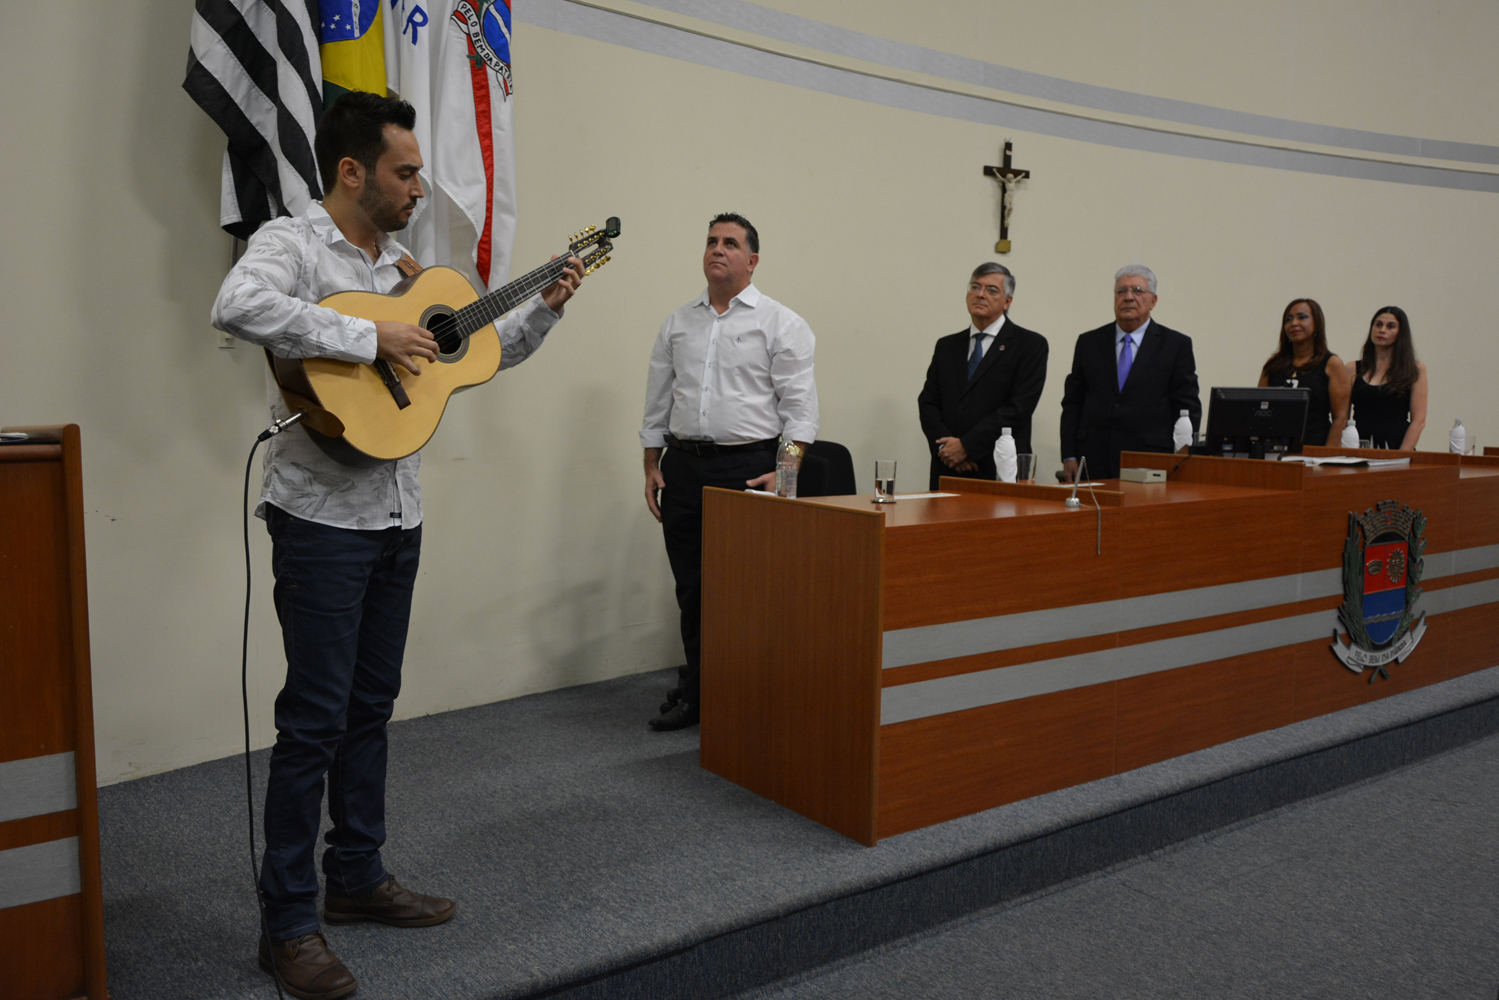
363,414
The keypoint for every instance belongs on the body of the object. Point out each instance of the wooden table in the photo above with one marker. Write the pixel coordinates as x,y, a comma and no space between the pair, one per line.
880,669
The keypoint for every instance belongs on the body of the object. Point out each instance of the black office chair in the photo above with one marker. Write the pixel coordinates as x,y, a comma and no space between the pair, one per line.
827,471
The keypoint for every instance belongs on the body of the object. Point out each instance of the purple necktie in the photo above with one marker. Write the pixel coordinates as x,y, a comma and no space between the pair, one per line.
1126,358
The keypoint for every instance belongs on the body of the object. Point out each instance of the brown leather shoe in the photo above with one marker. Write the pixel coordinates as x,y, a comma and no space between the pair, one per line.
388,903
308,969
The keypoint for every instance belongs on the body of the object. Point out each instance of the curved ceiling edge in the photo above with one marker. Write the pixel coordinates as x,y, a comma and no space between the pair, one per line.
604,24
796,30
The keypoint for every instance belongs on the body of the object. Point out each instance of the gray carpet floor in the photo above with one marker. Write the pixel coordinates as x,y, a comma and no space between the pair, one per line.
578,843
1389,888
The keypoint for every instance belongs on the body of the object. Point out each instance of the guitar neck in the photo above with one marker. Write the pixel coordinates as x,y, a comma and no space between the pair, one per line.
488,308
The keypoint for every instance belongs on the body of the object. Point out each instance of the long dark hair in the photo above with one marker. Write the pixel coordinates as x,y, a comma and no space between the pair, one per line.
1403,372
1285,357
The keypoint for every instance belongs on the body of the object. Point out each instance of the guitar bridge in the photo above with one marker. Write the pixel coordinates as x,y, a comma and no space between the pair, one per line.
393,383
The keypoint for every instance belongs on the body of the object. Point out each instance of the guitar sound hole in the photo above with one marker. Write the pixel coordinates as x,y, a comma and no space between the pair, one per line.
444,329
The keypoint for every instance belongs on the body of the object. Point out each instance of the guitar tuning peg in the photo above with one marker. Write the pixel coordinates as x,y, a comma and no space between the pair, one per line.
592,228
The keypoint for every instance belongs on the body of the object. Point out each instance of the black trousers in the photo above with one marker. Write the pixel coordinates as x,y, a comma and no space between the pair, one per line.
682,526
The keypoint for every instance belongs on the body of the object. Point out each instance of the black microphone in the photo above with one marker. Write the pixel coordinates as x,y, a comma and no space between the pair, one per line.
277,426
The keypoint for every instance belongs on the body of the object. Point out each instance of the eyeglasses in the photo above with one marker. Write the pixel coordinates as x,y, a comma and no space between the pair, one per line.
1136,292
992,291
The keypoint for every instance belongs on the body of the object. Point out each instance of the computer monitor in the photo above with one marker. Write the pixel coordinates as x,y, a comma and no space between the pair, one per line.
1253,422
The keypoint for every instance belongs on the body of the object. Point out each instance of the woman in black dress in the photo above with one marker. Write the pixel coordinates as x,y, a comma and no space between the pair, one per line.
1304,362
1389,384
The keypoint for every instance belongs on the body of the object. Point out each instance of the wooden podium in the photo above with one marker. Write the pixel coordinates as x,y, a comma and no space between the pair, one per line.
880,668
51,902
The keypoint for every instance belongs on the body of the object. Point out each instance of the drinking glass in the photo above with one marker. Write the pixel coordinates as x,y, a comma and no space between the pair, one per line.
1025,468
884,480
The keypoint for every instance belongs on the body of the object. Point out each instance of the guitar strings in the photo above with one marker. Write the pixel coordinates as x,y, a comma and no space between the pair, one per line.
479,314
476,315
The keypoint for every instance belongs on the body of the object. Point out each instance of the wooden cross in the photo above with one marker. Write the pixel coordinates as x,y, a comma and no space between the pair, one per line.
1007,176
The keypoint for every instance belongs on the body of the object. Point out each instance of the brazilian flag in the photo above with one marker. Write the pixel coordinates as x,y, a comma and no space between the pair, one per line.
352,46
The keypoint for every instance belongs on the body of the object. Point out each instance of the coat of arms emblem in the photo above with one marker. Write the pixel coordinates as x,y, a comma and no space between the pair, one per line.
1382,569
487,24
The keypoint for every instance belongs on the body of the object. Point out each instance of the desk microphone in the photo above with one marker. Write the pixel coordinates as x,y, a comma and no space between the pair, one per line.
1072,502
277,426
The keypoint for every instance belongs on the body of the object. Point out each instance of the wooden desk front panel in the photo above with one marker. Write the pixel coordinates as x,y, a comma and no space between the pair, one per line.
52,947
36,643
947,765
981,568
791,652
1207,542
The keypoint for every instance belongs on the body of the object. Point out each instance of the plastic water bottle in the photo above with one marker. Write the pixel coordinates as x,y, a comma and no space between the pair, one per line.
1004,457
1457,438
1350,432
788,463
1181,434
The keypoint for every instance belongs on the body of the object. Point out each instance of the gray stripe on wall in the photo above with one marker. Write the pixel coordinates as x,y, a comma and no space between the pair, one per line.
927,643
36,786
39,871
851,44
989,687
664,40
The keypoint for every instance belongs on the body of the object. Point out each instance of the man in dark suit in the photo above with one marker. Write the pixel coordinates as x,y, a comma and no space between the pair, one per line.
1130,381
981,380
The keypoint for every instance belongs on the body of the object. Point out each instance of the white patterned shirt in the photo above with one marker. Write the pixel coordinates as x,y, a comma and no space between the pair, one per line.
741,377
269,298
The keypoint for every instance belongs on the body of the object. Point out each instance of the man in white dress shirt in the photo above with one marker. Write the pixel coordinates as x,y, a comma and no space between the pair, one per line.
730,373
345,541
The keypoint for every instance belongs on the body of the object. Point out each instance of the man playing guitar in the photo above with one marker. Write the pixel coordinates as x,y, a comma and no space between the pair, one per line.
345,540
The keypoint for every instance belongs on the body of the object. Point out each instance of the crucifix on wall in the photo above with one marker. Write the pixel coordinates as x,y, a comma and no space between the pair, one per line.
1007,176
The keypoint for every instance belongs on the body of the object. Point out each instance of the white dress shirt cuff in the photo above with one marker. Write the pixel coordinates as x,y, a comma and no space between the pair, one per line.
363,344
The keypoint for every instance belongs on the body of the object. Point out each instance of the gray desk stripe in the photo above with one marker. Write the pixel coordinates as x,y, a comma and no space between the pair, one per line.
1063,673
926,643
39,871
730,56
852,44
1471,560
36,786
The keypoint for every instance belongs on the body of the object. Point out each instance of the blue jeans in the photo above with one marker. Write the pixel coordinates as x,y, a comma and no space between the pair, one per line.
344,601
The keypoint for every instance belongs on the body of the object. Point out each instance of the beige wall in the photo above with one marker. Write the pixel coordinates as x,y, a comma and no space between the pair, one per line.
542,567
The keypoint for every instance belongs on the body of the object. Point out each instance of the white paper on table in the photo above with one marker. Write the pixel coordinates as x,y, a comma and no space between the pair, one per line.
1348,460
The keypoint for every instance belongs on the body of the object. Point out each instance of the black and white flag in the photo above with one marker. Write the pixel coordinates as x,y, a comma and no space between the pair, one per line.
254,67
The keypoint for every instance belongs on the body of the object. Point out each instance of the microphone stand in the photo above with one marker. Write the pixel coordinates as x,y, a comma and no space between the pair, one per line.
1073,503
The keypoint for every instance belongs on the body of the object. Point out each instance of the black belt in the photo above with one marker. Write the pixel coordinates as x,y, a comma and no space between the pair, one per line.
707,449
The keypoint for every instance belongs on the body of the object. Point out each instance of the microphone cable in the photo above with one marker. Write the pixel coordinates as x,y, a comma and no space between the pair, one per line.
277,426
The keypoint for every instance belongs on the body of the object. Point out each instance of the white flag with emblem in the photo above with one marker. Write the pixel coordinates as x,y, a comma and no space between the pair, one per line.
451,60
